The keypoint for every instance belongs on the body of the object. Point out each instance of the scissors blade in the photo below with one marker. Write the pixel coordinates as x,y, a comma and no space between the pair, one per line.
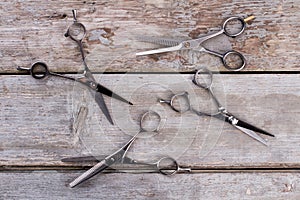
108,92
253,128
160,41
117,156
99,167
251,134
82,159
102,105
162,50
100,88
86,80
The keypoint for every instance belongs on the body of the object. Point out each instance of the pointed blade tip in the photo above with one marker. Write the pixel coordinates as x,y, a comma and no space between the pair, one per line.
65,160
72,185
265,143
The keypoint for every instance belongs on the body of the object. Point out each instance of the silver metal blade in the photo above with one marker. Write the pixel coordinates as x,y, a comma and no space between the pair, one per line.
160,41
83,159
99,167
101,103
252,134
162,50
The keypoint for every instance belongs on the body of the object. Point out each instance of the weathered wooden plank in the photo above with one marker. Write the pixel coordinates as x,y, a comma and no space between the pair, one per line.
33,30
53,185
39,120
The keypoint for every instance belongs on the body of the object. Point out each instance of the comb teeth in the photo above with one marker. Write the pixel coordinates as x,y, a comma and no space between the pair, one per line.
159,41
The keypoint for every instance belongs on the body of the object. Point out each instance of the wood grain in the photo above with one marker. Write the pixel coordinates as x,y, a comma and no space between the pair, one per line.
34,30
53,185
39,120
43,121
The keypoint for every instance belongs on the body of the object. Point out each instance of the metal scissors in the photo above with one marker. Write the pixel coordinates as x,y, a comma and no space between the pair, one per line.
232,60
221,114
40,70
165,165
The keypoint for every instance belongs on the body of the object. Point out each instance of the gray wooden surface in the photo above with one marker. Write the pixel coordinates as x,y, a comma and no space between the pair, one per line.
33,31
152,186
38,138
43,121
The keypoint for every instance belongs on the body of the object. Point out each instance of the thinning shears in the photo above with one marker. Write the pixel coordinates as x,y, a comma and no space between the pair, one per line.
203,78
77,32
232,60
149,122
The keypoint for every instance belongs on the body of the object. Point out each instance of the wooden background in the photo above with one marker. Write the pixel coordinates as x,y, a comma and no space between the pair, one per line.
41,121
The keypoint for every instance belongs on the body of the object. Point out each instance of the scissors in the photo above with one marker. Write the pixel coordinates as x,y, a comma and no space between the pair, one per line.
221,114
197,44
77,32
165,165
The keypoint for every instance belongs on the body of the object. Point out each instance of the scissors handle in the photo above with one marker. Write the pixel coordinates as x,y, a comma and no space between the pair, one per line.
38,70
150,122
179,102
76,31
169,166
233,60
99,167
227,24
203,78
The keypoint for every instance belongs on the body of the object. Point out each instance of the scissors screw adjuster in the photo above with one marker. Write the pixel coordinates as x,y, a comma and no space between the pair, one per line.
187,44
222,110
233,120
93,85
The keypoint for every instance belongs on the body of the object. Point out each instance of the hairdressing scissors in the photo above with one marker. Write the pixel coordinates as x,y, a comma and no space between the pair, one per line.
77,32
232,60
203,78
165,165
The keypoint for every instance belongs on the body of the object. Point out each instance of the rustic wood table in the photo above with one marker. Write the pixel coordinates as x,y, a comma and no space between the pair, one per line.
43,121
